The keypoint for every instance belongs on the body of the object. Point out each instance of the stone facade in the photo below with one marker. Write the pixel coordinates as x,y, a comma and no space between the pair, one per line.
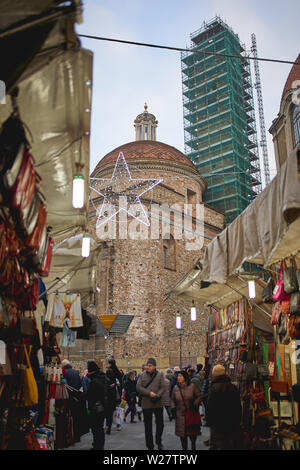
285,128
135,273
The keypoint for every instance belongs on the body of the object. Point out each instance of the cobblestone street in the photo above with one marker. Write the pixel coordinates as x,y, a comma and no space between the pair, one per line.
131,437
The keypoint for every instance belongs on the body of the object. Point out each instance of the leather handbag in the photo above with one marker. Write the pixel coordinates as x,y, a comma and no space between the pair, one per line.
279,292
250,372
192,419
290,280
263,372
267,293
295,303
44,271
33,240
27,326
31,396
280,307
294,326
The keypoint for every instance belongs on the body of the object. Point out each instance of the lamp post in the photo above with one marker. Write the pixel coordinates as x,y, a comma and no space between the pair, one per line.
180,332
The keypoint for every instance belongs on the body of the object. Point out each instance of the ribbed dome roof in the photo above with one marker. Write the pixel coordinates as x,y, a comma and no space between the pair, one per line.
147,149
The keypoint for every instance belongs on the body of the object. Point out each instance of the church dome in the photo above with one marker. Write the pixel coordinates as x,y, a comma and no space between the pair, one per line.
144,150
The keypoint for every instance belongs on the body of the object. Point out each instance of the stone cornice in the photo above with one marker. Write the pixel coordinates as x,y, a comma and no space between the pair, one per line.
149,164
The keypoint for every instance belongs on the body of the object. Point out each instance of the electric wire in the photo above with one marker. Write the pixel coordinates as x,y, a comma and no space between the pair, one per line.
180,49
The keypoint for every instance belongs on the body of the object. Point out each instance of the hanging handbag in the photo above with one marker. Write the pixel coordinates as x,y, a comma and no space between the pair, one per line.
290,280
294,326
280,307
279,292
192,419
295,303
267,293
44,271
31,396
263,372
250,372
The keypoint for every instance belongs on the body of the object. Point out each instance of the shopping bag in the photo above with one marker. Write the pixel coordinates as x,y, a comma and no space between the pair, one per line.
118,415
31,395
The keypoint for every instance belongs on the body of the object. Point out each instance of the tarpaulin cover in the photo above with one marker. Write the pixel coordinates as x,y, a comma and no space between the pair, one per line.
266,232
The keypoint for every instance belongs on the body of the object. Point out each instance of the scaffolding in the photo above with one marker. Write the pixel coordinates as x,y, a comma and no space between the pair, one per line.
219,119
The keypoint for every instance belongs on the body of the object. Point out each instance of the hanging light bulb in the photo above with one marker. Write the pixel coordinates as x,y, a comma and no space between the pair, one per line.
86,245
251,288
193,312
178,321
78,188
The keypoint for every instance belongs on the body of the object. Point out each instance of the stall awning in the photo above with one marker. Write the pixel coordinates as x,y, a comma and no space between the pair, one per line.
69,270
266,232
54,101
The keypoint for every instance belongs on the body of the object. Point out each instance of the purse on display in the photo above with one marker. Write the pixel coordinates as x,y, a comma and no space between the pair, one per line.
294,326
282,307
279,292
250,372
290,280
27,326
295,303
267,293
31,395
263,372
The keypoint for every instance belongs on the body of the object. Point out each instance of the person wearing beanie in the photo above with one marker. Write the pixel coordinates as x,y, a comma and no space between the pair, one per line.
223,412
198,378
97,397
151,386
185,397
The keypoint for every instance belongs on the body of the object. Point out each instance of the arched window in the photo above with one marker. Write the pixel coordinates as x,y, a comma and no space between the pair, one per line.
296,124
169,253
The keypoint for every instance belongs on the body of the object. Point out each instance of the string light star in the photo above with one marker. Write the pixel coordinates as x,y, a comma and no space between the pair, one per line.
121,187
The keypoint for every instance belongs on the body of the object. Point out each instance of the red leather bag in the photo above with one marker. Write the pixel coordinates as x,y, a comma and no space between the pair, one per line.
22,181
33,241
44,271
279,292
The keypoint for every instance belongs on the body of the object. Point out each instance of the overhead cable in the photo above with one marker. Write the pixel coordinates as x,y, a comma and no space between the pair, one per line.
179,49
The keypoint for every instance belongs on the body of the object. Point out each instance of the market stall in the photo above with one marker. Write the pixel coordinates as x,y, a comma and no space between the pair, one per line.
255,335
44,144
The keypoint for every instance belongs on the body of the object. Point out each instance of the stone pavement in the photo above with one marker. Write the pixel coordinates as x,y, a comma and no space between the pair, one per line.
131,437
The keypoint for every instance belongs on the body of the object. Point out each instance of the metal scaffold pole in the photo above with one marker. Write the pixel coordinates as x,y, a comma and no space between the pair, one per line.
263,141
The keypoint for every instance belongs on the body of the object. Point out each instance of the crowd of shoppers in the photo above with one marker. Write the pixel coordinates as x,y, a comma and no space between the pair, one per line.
181,392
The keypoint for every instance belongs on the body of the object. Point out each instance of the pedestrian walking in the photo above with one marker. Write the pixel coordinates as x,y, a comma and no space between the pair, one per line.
85,381
71,376
185,397
198,378
76,402
130,396
139,398
96,397
151,387
174,378
113,398
223,412
169,374
113,366
166,398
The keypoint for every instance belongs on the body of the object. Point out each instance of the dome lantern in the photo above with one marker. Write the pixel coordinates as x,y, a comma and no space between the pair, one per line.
145,125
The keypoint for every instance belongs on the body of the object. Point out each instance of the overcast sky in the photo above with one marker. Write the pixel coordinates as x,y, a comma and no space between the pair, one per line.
127,76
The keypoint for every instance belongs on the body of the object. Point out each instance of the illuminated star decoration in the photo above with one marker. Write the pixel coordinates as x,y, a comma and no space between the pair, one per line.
121,184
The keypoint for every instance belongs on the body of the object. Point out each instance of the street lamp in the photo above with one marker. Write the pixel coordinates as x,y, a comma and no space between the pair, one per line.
193,312
180,332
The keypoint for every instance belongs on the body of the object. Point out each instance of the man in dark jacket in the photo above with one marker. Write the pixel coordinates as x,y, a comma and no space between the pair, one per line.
71,375
151,386
96,398
223,412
